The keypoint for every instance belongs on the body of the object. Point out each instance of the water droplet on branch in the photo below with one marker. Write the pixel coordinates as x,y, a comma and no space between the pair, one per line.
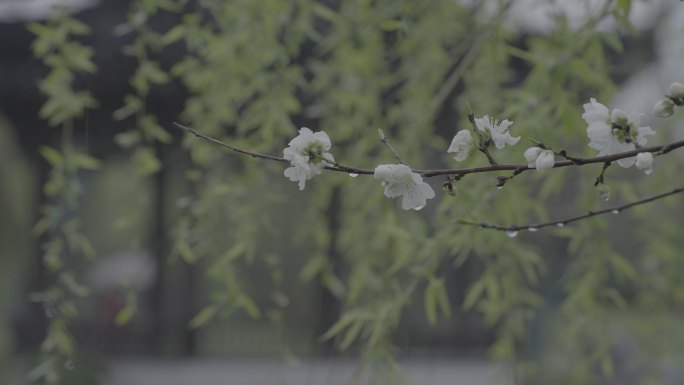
353,175
512,233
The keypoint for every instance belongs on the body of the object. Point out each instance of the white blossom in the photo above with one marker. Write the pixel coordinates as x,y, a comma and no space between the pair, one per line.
499,132
539,158
308,155
462,145
612,133
664,108
399,180
644,162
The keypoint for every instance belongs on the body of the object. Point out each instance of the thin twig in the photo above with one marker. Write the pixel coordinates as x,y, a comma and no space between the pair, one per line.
383,140
335,166
564,222
229,146
483,146
484,149
600,179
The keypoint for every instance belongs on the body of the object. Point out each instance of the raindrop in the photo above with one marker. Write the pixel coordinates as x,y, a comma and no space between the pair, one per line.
604,192
499,187
648,172
532,229
512,233
418,208
616,211
353,175
560,224
69,365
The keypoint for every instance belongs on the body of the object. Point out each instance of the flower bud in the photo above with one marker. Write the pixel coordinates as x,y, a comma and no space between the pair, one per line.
619,117
676,90
644,162
545,160
664,108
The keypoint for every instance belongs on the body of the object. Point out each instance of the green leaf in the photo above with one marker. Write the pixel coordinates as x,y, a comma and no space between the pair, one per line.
333,283
249,306
53,156
86,161
128,139
392,25
73,286
154,131
351,334
146,161
312,268
475,292
174,34
430,302
436,299
76,27
124,316
205,315
346,320
132,104
624,6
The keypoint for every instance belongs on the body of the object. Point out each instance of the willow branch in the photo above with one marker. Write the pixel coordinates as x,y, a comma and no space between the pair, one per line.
563,222
471,53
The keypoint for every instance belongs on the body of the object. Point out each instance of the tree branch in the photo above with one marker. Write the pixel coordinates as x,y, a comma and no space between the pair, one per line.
655,150
562,222
660,149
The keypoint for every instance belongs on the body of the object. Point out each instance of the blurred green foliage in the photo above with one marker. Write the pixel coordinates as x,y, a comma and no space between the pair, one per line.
255,71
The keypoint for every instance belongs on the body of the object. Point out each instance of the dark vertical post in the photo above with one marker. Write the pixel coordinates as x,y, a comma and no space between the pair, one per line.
159,251
330,306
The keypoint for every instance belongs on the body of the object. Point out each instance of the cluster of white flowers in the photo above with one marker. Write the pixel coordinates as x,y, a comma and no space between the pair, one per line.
612,132
463,142
308,155
488,129
674,98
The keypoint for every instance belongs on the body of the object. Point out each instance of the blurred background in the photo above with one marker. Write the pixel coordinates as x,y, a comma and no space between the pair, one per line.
131,253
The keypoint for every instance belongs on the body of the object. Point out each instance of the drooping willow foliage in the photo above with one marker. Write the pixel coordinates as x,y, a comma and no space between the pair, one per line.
256,71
